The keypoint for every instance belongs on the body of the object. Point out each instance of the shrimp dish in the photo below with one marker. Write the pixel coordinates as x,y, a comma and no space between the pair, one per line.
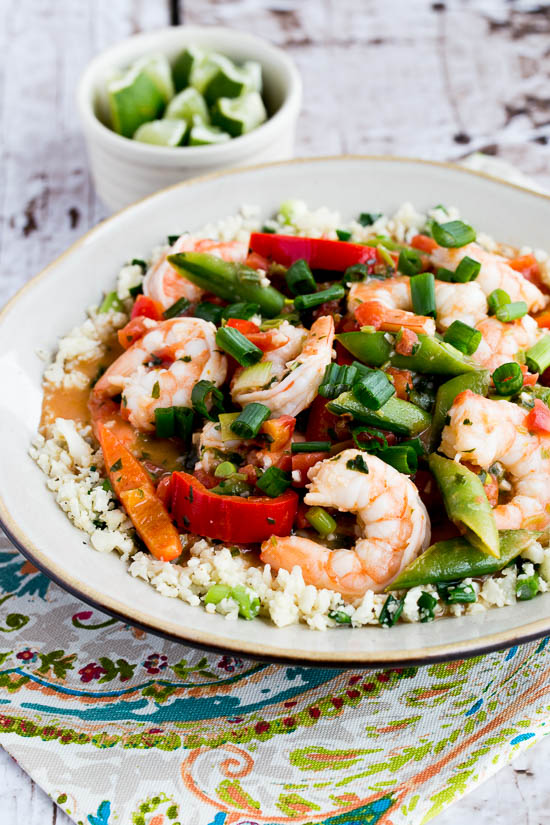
306,419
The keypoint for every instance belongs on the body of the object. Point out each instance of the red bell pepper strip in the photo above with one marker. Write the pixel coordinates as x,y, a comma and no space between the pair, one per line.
424,243
243,326
537,420
147,307
319,253
230,518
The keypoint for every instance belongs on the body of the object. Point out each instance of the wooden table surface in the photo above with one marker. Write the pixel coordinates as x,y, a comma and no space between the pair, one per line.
409,77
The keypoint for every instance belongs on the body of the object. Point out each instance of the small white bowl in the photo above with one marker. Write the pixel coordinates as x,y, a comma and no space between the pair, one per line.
126,170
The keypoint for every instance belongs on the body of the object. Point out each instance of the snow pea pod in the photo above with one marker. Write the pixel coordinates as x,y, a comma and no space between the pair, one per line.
466,503
433,356
231,281
456,559
395,415
478,382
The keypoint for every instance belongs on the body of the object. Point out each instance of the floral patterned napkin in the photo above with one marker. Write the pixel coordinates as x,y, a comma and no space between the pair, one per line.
121,728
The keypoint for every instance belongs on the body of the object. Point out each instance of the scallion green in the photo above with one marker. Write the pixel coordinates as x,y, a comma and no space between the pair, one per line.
233,342
183,422
241,310
456,592
315,299
423,294
374,389
273,482
178,308
497,299
321,521
537,357
452,234
463,337
391,611
343,234
299,278
248,422
467,270
225,469
337,379
410,262
426,604
508,378
368,218
199,396
111,301
512,311
164,422
209,312
310,447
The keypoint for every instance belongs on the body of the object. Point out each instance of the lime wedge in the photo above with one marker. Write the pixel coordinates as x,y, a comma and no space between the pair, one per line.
184,64
202,135
158,69
187,104
240,114
232,81
204,70
133,99
162,132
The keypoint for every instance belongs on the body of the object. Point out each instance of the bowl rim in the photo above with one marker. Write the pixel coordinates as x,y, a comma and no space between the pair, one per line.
211,641
261,135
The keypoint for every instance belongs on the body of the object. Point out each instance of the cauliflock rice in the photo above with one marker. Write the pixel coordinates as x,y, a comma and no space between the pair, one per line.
67,456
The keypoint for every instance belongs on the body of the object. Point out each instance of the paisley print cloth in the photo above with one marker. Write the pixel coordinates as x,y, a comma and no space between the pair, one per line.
121,727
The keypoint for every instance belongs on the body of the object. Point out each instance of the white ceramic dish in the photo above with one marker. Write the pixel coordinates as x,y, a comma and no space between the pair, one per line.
55,301
125,170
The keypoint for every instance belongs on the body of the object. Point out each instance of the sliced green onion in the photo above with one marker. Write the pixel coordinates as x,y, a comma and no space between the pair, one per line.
373,389
183,422
415,444
254,377
467,270
165,422
315,299
177,309
378,440
217,593
463,337
209,312
226,420
337,379
456,592
339,616
527,587
321,521
139,262
111,301
274,482
423,294
358,464
136,290
410,262
248,422
403,458
357,272
426,604
233,486
241,310
199,396
497,299
537,357
452,234
233,342
361,369
172,239
385,255
268,230
391,611
249,605
299,278
310,447
368,218
343,234
508,378
512,311
225,469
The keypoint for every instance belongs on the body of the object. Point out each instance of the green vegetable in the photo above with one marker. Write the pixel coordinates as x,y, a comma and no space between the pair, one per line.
396,415
423,294
239,115
497,299
233,486
111,301
433,356
164,422
512,311
478,382
402,457
254,377
248,422
537,357
368,218
315,299
242,310
467,270
199,397
463,337
226,420
456,592
426,604
391,611
217,593
527,587
225,469
231,281
209,312
310,447
357,272
187,105
203,135
299,278
358,464
321,521
452,234
337,379
456,559
339,616
232,81
343,234
508,378
233,342
134,99
410,262
249,605
374,389
466,503
183,422
178,308
162,132
273,482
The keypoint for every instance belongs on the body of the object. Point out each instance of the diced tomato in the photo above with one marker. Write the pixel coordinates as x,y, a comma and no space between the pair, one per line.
280,432
300,522
320,420
406,342
543,320
267,341
320,253
371,313
366,437
528,266
243,326
343,356
424,243
147,307
529,378
255,261
537,420
209,480
301,463
491,489
133,331
230,518
402,380
429,491
251,473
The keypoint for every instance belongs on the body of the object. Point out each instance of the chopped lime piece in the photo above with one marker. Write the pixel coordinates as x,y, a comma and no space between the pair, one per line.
134,99
162,132
204,70
184,64
201,134
158,69
186,105
239,115
233,81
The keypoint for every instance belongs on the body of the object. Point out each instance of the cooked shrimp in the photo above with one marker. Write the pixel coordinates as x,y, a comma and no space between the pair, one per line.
495,273
483,431
501,342
462,302
164,284
161,369
298,369
392,520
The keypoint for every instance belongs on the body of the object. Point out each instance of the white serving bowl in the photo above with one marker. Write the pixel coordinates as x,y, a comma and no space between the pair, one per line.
126,170
36,317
